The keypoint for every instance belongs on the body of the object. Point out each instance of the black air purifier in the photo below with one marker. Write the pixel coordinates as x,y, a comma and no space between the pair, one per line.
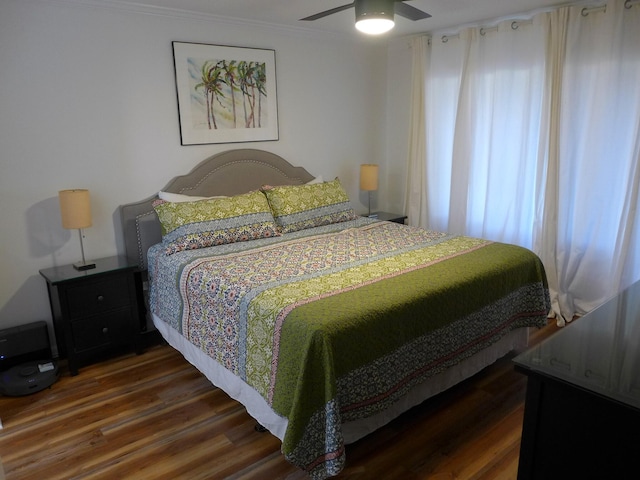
26,364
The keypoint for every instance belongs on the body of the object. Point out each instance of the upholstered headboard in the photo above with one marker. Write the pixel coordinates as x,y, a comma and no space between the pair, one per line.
228,173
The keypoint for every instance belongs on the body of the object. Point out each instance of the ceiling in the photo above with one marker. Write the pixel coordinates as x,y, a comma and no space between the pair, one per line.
446,14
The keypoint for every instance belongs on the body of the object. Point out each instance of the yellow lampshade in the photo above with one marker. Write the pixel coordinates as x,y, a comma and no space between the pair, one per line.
75,208
368,177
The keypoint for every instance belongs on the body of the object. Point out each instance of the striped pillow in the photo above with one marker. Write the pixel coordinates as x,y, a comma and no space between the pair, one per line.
205,223
297,207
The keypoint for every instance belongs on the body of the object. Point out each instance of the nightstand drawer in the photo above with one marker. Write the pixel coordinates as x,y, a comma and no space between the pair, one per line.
93,298
101,330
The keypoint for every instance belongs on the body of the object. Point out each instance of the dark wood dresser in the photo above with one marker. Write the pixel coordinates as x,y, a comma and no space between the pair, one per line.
582,410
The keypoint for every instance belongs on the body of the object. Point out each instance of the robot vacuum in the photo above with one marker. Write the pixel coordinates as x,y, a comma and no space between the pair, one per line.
28,378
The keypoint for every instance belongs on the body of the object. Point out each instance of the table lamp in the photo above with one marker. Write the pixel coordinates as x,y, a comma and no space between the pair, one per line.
369,180
75,210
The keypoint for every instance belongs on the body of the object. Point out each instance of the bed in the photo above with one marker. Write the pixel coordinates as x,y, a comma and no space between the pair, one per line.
324,324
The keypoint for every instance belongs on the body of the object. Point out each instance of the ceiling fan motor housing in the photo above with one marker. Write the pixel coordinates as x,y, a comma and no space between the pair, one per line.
374,9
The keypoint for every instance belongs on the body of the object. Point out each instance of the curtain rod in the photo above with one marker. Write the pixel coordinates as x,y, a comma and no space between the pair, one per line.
586,11
483,30
603,8
517,23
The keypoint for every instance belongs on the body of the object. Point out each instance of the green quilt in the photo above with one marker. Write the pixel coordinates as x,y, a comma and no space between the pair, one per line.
335,327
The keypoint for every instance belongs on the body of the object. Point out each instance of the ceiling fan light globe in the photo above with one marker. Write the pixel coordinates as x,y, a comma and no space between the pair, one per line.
374,26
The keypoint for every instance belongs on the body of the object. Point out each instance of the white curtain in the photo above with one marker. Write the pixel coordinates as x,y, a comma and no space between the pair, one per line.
532,137
599,157
415,202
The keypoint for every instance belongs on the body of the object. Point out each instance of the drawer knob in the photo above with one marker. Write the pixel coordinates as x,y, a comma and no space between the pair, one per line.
105,330
100,298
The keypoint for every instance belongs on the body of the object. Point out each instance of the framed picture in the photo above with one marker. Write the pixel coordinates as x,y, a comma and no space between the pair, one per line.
225,94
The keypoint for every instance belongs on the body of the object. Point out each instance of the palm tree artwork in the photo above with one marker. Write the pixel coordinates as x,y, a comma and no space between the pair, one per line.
228,94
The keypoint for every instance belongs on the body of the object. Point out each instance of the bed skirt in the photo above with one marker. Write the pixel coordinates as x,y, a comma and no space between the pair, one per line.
258,408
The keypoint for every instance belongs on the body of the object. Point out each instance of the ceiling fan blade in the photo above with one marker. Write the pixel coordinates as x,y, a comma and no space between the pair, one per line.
407,11
326,13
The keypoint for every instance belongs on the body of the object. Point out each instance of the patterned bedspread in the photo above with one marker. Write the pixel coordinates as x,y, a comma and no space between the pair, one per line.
336,323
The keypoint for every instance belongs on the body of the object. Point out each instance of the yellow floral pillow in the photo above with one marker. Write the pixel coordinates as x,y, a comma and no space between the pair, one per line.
216,221
296,207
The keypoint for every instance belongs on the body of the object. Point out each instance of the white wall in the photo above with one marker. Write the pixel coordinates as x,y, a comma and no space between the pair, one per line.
397,116
87,100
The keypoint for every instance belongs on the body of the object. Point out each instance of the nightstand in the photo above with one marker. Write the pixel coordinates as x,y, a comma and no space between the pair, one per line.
390,217
95,312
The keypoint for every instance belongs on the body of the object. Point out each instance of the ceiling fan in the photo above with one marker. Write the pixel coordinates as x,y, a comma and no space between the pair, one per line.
375,16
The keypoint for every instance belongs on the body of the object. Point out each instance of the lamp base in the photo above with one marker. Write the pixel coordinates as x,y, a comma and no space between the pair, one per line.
84,265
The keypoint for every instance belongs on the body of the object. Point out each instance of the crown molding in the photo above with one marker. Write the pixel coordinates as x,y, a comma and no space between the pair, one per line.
153,10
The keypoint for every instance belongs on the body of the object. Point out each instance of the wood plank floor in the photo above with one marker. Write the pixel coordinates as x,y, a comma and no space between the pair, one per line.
154,416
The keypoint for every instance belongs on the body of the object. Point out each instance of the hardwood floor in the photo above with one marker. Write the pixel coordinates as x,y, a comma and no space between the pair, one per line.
154,416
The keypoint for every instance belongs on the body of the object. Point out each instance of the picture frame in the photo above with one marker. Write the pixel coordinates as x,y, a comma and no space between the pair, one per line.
225,94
